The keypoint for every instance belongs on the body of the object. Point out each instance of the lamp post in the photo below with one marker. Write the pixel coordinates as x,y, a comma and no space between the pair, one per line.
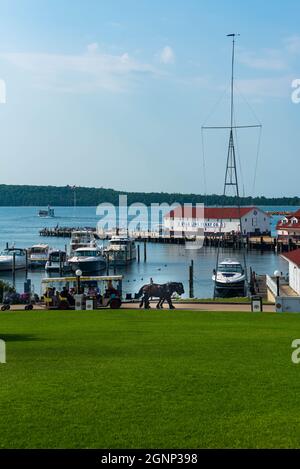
277,275
78,274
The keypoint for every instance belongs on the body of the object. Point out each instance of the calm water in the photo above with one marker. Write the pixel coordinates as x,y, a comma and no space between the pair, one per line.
21,225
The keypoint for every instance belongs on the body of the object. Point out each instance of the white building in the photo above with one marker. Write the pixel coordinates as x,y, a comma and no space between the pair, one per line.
215,219
289,225
293,258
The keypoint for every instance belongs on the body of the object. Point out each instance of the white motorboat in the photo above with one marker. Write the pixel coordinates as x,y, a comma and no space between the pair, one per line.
12,257
82,239
88,259
38,255
229,277
57,262
121,250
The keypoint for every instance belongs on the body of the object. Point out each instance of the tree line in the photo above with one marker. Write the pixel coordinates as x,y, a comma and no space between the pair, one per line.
25,195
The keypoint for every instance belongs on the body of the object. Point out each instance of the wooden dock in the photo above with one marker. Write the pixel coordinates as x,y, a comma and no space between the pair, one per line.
262,243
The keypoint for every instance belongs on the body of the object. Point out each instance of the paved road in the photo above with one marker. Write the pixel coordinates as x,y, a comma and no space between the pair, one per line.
180,306
204,307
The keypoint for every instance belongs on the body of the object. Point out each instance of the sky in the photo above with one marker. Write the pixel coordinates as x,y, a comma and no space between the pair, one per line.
113,93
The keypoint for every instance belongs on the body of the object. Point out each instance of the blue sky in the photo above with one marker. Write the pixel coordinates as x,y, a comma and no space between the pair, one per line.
114,93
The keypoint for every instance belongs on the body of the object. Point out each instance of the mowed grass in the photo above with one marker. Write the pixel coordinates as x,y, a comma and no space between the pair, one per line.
161,379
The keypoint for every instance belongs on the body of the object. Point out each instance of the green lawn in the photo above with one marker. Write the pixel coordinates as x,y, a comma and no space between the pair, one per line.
149,379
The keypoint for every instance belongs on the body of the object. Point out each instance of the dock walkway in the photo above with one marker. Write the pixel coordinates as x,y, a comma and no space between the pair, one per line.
228,240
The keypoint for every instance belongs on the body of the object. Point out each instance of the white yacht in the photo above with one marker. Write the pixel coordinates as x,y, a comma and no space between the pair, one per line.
87,259
229,277
57,261
121,250
82,239
38,255
7,256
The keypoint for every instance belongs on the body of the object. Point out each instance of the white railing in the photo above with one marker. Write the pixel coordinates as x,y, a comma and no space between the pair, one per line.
271,285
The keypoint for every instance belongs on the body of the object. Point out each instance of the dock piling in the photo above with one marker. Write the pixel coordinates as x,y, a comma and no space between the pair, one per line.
107,264
191,279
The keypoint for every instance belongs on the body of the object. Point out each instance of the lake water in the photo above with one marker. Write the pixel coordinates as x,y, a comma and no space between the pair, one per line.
165,262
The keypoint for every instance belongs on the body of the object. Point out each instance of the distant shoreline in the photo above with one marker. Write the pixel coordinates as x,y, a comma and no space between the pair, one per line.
63,196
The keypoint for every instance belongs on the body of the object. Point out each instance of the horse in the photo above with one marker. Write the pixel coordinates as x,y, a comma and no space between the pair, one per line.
163,292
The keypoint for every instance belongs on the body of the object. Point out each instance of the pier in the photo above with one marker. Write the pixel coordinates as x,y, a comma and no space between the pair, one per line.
260,242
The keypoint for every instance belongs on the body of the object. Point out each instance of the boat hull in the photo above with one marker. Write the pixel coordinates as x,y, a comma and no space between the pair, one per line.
232,286
36,263
8,265
87,266
120,258
55,267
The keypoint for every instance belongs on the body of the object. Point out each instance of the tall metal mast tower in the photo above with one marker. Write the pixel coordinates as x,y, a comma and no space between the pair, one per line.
231,176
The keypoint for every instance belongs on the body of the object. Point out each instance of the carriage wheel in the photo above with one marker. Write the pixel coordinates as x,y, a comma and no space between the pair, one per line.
3,308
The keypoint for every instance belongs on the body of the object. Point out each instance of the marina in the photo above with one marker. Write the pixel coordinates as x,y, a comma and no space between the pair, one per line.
164,261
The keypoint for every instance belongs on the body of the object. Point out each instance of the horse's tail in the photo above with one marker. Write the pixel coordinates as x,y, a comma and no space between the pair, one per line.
140,292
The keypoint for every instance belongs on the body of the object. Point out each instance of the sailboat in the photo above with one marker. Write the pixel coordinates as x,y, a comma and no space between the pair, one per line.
230,276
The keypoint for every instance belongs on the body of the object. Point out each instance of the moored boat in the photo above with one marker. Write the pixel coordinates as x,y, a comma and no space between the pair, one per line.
12,258
82,239
38,255
57,262
121,250
229,278
87,259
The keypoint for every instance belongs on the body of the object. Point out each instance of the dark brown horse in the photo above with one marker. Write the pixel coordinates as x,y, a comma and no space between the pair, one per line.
163,292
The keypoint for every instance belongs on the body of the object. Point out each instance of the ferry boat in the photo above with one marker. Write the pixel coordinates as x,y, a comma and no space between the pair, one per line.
7,256
121,250
82,239
38,255
229,278
57,262
87,259
49,213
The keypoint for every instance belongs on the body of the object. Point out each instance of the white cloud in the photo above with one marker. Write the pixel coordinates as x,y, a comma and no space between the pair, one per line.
268,60
167,55
292,44
272,59
93,47
85,72
277,87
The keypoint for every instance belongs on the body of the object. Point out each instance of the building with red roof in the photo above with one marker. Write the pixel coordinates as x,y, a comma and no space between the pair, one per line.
289,225
293,258
216,219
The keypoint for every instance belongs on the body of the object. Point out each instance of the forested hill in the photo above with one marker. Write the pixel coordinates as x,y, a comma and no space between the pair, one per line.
15,195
